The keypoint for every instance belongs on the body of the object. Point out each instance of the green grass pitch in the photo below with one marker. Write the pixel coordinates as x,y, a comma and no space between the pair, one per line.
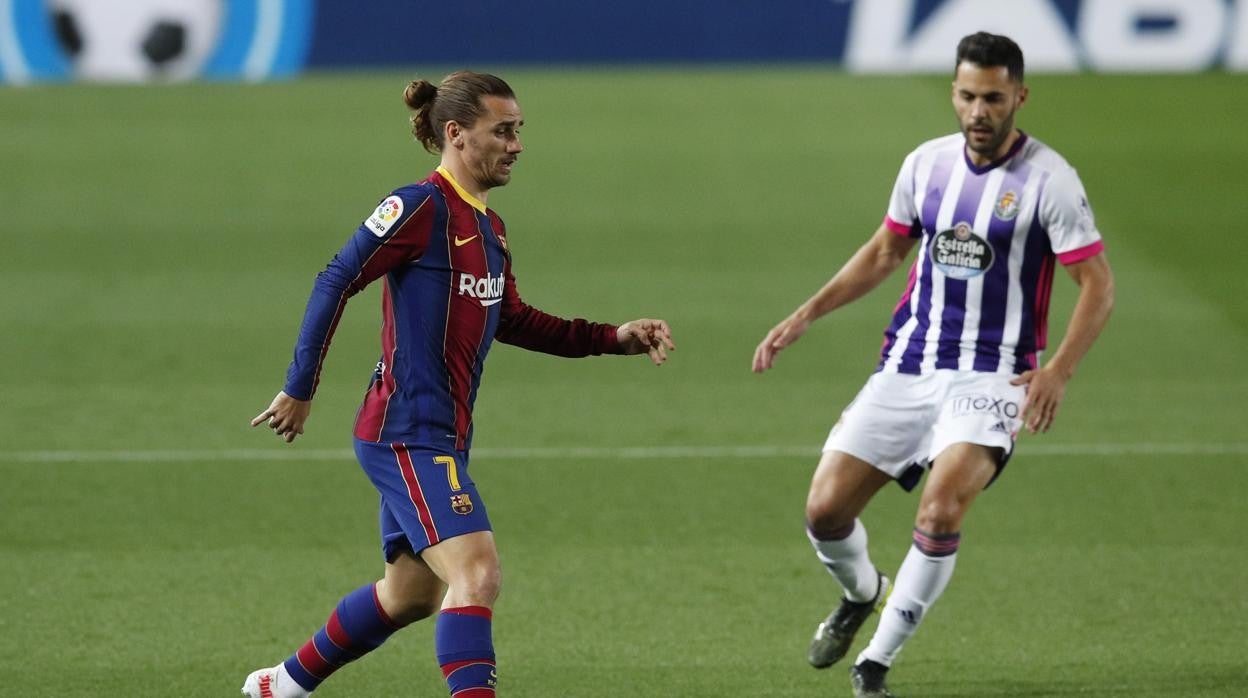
159,244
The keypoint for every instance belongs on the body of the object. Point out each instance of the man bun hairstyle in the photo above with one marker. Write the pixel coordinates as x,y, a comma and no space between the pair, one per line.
419,96
457,99
989,51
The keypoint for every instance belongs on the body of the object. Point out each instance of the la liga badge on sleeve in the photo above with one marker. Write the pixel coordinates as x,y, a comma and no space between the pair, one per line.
383,218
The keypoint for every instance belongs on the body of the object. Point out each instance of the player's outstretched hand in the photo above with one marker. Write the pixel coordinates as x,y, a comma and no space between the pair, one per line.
788,331
285,416
1045,389
646,336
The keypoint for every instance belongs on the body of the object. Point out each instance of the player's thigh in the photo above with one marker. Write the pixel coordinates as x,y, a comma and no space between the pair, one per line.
469,565
840,489
958,474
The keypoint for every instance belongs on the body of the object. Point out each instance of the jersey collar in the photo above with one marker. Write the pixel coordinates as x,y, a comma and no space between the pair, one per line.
979,170
463,193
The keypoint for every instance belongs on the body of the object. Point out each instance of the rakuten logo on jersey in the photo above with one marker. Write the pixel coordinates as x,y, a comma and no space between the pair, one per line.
487,290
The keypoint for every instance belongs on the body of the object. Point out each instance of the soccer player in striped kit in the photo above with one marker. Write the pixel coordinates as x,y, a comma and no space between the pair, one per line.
990,209
448,292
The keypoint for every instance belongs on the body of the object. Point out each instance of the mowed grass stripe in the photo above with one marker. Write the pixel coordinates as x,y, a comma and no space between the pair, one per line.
624,453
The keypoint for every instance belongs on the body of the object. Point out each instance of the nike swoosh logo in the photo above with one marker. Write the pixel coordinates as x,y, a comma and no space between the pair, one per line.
461,242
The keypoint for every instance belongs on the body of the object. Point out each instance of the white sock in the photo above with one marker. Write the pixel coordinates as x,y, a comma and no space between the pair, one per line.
848,561
919,583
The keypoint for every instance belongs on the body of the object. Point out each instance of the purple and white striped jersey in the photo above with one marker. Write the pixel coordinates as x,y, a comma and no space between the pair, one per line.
978,294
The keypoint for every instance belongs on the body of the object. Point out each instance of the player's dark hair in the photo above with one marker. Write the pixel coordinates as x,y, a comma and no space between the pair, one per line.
457,99
989,51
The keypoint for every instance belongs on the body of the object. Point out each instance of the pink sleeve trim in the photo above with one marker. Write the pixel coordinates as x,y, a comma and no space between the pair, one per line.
899,228
1082,253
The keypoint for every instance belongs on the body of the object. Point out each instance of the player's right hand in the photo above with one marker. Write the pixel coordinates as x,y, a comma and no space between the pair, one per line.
780,336
285,416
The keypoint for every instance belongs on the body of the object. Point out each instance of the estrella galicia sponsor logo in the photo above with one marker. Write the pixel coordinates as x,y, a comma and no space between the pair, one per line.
960,253
1007,206
488,290
983,404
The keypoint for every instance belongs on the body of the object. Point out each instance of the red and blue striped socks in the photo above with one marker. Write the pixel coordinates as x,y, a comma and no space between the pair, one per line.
356,627
466,651
359,625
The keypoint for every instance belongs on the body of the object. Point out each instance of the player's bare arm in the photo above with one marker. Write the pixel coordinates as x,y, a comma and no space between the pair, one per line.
646,336
869,266
1047,385
285,416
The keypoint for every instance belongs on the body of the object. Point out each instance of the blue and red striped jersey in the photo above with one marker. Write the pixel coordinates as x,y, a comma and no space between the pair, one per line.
449,292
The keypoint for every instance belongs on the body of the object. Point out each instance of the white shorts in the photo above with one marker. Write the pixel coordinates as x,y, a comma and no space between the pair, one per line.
900,422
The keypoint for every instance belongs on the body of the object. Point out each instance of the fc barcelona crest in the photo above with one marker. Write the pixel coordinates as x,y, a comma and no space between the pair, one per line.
461,503
1007,206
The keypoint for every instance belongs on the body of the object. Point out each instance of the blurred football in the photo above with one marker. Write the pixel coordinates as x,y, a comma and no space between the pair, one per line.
138,39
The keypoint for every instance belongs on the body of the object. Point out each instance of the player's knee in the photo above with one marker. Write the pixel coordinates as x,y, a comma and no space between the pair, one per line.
417,609
407,603
827,522
939,517
489,583
479,584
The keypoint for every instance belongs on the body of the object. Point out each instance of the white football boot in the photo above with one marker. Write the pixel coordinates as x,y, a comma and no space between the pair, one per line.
273,682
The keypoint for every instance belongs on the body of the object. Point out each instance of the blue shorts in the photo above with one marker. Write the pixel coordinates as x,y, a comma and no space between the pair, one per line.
426,495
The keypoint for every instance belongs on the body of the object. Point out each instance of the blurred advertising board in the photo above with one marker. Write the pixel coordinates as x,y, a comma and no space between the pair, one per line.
135,40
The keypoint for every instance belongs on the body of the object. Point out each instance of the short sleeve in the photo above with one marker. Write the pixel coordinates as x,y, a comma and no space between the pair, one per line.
903,217
1067,218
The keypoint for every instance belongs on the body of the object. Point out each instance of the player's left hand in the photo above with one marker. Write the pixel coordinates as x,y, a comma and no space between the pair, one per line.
646,336
285,416
1045,389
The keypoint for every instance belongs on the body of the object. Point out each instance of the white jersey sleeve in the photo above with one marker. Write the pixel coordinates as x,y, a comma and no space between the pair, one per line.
903,214
1067,217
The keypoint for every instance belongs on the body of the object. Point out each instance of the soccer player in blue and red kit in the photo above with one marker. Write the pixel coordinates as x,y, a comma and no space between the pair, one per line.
448,293
992,212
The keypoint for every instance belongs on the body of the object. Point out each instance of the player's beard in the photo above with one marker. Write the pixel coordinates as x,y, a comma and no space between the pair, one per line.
999,136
